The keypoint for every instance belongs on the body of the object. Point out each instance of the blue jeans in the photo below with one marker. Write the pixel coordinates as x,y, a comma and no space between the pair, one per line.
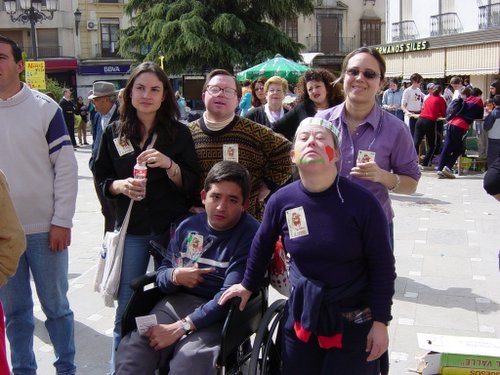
453,146
134,264
50,274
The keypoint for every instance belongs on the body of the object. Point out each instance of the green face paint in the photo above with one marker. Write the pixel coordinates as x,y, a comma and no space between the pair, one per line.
317,161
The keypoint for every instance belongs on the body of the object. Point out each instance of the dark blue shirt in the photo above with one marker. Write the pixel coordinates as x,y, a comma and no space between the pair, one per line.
347,241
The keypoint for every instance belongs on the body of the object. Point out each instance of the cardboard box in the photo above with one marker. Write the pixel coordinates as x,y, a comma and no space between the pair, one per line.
477,347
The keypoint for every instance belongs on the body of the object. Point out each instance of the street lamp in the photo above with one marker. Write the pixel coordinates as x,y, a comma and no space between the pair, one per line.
31,11
78,18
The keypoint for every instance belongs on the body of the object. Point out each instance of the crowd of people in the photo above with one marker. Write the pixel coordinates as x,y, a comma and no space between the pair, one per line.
328,162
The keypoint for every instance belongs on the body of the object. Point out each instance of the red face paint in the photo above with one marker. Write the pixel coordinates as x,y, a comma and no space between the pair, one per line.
330,152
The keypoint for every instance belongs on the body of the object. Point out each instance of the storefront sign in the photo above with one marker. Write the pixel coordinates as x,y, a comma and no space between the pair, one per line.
404,47
35,74
104,69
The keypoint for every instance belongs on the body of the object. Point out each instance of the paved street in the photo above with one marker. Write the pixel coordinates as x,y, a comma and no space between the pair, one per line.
447,240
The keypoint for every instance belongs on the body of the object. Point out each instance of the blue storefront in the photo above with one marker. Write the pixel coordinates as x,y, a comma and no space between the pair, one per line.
88,74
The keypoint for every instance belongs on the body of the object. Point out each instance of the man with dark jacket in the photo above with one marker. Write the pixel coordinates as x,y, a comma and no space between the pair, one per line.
104,99
69,109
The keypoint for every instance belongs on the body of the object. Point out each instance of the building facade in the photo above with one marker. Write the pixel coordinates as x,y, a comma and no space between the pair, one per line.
55,39
98,57
443,38
336,28
76,54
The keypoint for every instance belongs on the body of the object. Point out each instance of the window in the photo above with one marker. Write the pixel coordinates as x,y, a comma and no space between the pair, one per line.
290,28
109,36
329,34
370,32
48,43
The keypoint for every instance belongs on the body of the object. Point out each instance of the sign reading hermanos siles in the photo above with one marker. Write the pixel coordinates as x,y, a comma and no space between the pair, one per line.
404,47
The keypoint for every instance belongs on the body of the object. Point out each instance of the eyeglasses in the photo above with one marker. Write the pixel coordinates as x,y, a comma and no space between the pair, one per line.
368,73
229,93
259,89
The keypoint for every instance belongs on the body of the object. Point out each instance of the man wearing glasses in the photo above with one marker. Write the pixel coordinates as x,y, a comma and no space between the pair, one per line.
221,135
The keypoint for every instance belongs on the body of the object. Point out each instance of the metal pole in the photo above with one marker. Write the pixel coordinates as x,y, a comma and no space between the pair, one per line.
33,35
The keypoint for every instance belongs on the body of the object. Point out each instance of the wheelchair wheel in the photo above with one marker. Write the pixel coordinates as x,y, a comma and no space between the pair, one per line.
266,353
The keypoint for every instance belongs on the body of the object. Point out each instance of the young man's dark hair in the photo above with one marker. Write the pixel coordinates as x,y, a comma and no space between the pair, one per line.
496,100
476,91
229,171
16,50
415,77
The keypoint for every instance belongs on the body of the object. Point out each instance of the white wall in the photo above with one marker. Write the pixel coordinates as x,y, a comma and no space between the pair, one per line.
421,10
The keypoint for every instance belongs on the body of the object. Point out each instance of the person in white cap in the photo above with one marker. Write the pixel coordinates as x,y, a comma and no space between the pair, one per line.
341,263
105,101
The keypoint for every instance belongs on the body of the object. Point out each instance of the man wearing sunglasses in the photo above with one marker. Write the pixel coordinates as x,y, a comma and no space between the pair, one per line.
221,135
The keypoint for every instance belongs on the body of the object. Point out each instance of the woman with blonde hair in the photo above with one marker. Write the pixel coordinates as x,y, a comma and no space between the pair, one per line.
275,90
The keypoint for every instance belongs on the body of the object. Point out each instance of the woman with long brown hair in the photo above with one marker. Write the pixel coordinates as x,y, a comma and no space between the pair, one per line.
148,117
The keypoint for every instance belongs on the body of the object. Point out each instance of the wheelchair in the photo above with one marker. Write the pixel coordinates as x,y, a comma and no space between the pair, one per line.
237,329
236,356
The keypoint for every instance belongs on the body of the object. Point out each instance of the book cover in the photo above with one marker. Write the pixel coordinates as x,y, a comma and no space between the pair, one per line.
470,361
467,371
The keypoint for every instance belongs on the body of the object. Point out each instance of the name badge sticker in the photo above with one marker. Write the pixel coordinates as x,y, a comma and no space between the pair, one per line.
297,223
194,247
122,147
230,152
365,156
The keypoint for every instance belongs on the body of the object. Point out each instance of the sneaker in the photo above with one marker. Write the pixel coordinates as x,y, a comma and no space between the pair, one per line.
448,172
440,175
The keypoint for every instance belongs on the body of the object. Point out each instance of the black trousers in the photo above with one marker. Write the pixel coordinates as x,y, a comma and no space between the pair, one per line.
428,129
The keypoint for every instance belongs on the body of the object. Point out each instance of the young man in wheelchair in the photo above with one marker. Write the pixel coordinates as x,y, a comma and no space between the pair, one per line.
205,257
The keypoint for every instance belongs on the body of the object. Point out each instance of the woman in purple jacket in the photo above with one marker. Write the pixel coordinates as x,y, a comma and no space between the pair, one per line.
341,264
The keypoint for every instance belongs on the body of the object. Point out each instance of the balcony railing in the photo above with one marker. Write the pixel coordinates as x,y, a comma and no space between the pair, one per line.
44,51
404,30
340,46
446,24
489,16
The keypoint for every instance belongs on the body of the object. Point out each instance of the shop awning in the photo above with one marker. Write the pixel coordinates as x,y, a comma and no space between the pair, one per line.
428,63
473,60
394,65
61,65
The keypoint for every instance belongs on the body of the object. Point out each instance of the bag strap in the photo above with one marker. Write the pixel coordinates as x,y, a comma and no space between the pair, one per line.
124,226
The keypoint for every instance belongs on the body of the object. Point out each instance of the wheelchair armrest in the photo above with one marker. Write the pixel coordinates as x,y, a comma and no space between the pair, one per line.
240,325
142,300
143,280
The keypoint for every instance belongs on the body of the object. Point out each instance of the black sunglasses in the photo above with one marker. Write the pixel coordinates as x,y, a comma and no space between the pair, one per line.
368,73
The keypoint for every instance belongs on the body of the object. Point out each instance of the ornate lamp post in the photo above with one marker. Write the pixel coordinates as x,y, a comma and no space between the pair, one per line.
30,11
78,18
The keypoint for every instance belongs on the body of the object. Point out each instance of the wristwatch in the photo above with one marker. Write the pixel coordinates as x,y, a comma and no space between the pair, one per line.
186,326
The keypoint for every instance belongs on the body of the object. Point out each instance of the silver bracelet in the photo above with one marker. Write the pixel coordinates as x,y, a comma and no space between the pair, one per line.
398,180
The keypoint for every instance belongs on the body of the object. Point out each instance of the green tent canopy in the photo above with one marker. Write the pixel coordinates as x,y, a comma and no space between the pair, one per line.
278,66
